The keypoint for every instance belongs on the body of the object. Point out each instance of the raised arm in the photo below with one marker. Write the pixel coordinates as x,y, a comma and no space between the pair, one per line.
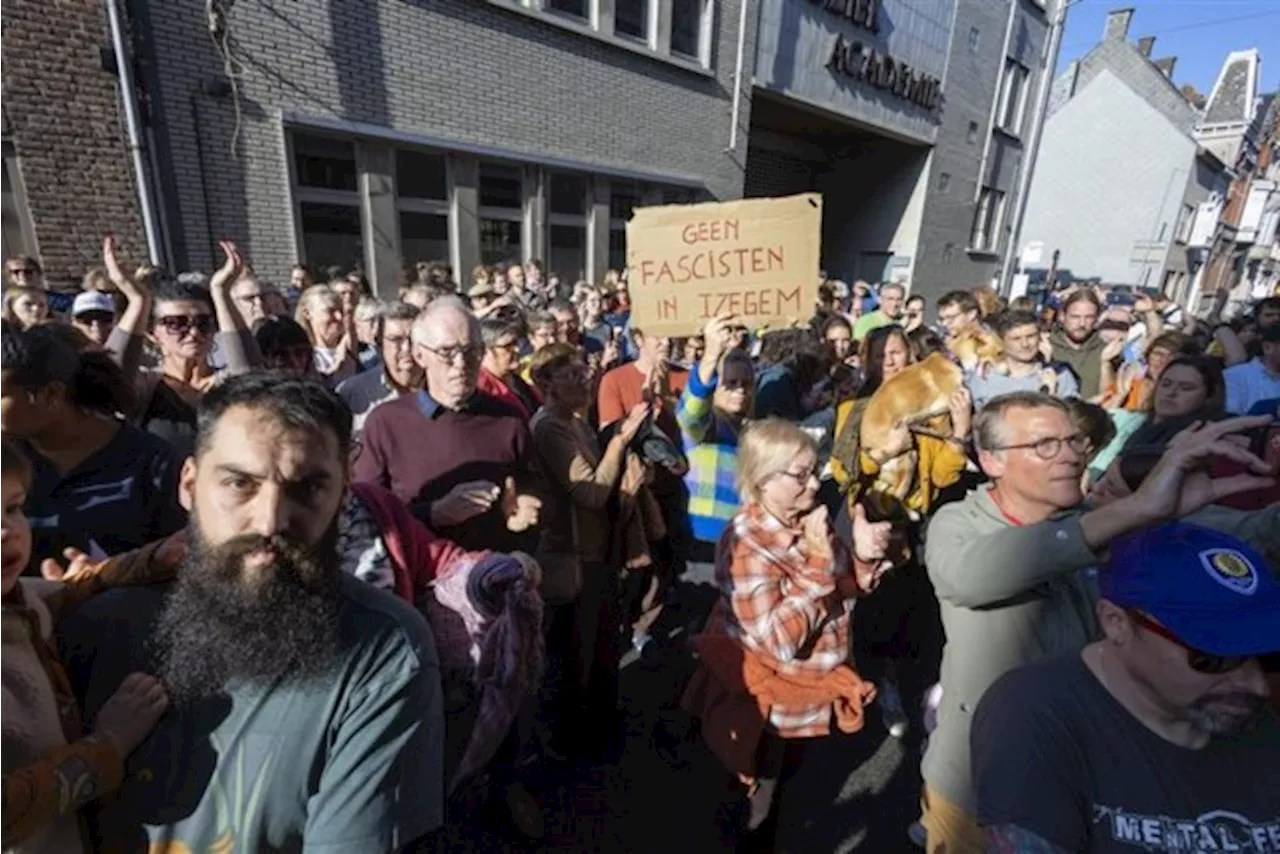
237,340
126,339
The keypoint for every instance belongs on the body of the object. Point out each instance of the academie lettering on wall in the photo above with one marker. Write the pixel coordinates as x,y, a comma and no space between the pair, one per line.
858,61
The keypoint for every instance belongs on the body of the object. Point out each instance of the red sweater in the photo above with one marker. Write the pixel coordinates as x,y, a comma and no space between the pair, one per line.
419,451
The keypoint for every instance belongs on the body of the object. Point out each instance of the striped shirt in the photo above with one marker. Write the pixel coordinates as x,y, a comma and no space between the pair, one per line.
711,446
775,588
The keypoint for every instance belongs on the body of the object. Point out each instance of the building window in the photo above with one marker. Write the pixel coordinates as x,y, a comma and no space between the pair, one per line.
623,199
1013,97
421,176
576,8
972,135
325,186
631,18
331,235
944,182
688,23
424,236
987,221
501,213
975,36
327,164
567,234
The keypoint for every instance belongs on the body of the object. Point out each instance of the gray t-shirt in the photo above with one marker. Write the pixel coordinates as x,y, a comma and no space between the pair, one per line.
350,763
986,384
1054,753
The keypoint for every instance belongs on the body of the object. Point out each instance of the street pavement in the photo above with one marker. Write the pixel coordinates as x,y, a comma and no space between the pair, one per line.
850,793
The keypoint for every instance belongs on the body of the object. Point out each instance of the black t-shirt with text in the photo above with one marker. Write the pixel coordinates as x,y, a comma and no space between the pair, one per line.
1055,754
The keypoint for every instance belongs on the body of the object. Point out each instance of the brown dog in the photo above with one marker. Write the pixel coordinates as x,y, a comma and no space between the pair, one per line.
914,397
975,346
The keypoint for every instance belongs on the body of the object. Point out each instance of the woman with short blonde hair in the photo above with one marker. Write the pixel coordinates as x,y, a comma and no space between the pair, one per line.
25,307
775,656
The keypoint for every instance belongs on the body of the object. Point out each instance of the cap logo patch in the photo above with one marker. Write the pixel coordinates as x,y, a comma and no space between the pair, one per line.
1231,569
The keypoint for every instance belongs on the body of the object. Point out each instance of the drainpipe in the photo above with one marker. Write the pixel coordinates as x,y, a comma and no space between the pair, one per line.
737,75
1049,65
124,69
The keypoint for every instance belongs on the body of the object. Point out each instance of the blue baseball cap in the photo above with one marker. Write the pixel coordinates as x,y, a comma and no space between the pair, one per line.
1215,592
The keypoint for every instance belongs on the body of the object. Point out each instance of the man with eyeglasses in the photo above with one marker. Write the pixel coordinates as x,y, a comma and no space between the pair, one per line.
459,458
1009,561
396,374
1159,737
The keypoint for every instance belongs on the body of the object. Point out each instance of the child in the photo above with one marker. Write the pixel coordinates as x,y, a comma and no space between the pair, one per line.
51,768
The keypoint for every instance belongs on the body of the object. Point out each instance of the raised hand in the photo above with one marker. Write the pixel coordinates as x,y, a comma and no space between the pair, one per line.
122,280
231,268
79,566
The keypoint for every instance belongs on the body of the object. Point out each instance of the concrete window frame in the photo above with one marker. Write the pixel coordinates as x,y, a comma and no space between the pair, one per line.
1011,110
599,22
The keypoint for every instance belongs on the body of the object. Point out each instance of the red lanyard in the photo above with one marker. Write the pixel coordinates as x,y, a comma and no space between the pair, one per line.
995,499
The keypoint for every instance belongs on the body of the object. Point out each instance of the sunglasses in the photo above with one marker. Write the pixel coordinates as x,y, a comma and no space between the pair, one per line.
181,324
1198,660
23,271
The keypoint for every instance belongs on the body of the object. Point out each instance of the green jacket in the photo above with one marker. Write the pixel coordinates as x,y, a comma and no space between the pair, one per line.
1085,362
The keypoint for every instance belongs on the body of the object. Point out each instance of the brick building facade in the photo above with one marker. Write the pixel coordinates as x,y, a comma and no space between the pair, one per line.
68,176
381,133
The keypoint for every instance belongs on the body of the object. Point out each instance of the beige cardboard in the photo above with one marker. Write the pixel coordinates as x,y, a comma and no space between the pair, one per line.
757,259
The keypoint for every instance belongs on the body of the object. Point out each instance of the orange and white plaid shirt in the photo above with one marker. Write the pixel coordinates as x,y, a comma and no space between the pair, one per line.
774,588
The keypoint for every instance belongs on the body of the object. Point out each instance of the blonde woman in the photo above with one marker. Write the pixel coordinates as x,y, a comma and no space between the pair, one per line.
775,654
25,307
334,342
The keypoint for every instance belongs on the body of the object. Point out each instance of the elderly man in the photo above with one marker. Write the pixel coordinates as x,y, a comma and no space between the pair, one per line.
397,374
1007,565
893,297
308,705
458,457
1159,737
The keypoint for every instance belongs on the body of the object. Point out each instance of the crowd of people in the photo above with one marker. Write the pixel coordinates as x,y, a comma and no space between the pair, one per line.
300,568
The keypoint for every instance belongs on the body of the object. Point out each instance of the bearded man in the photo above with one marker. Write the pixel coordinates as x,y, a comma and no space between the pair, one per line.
306,707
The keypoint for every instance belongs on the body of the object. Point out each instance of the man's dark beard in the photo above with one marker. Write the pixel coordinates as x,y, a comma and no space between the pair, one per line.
217,627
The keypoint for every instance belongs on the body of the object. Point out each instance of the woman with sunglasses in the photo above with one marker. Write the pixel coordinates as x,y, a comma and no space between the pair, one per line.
180,320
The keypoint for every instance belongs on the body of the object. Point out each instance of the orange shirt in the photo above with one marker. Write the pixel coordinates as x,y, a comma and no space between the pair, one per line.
623,387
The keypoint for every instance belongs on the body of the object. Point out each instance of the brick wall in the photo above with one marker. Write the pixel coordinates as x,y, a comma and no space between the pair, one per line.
459,69
63,113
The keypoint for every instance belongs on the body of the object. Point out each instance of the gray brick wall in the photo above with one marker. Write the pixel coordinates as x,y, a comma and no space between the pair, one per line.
942,264
460,69
62,111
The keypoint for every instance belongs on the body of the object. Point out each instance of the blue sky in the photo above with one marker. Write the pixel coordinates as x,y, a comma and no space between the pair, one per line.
1199,32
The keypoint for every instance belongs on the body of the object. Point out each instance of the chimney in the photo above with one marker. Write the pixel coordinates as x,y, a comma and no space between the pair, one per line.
1166,65
1117,25
1145,44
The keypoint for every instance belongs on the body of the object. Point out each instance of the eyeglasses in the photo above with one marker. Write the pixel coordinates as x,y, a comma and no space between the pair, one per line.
180,324
1050,446
1198,660
469,353
509,346
23,271
800,477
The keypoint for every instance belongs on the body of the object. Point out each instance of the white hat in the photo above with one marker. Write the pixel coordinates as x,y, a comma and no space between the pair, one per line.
93,301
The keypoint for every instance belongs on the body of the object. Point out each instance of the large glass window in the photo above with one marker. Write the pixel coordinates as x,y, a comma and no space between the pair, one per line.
328,164
568,194
499,241
617,249
623,199
631,18
569,252
421,176
686,27
500,187
331,235
501,213
424,237
577,8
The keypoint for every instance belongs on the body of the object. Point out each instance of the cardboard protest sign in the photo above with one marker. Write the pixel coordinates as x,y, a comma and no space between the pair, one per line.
757,259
